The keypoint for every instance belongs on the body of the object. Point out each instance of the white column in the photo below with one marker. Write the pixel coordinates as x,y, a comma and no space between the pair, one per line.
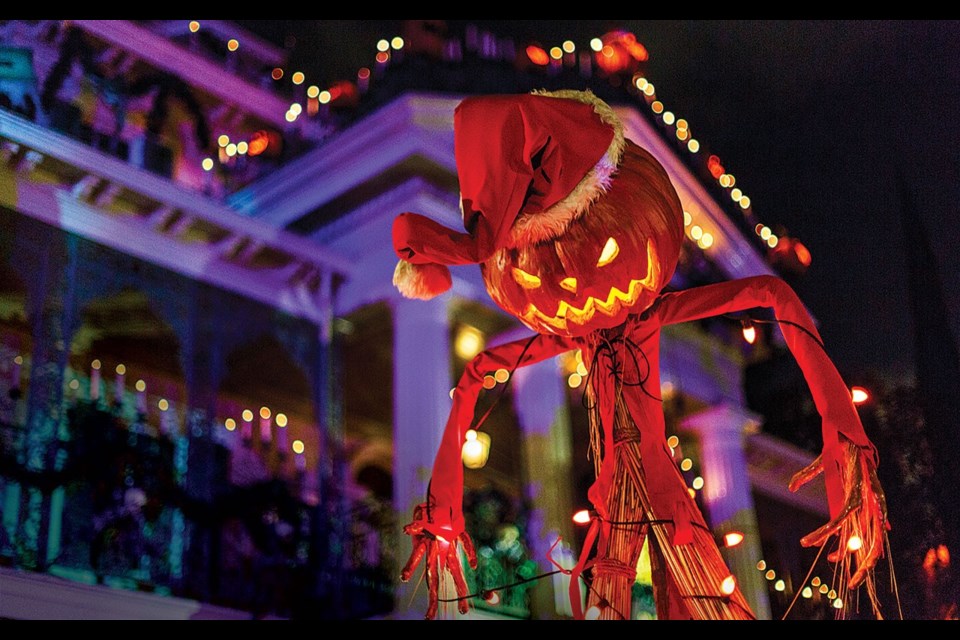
727,494
540,403
421,405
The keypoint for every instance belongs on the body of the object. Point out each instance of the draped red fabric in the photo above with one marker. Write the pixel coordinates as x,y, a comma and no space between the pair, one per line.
638,346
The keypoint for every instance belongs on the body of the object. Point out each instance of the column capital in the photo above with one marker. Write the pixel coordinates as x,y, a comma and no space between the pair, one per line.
722,418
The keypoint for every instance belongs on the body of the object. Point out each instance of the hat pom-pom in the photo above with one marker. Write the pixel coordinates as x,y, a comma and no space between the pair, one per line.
421,281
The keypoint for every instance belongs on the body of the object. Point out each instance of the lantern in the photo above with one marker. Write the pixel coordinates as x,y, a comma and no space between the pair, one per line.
613,262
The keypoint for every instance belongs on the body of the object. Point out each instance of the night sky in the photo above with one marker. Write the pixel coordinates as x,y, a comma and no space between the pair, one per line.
829,127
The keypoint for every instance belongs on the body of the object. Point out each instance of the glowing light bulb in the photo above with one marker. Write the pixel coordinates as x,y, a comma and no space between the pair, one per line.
732,538
859,395
582,517
854,543
749,332
728,585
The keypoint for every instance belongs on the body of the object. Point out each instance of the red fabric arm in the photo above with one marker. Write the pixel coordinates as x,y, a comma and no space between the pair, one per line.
444,515
830,393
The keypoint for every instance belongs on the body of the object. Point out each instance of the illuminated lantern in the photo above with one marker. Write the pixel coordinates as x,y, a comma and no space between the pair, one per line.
620,53
603,268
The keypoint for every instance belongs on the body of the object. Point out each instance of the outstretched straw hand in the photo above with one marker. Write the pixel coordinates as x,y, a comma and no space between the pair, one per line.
441,554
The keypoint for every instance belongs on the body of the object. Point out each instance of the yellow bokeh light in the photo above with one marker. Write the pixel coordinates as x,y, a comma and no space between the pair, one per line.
773,241
230,424
247,415
121,369
501,375
207,164
807,592
649,90
265,412
682,134
489,382
469,342
223,140
673,442
582,369
816,581
765,232
725,180
728,585
779,585
140,385
696,232
324,96
313,91
693,146
838,603
706,240
194,26
668,117
736,194
656,106
74,384
698,483
556,53
242,147
18,359
297,77
761,565
297,446
691,492
687,219
686,464
824,589
396,43
296,108
682,124
770,574
832,594
95,364
233,44
383,45
574,380
470,435
281,420
289,116
596,44
163,404
231,149
569,46
744,202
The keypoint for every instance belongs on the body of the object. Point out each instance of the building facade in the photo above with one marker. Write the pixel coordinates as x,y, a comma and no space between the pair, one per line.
215,403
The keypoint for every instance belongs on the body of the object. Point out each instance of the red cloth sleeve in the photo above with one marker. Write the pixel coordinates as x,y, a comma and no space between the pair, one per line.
830,393
444,515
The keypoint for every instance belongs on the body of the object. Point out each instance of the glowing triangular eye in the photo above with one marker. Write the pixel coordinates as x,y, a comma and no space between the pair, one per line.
524,279
610,251
570,284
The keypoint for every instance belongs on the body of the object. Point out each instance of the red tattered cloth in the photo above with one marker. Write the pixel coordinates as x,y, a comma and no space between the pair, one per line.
668,498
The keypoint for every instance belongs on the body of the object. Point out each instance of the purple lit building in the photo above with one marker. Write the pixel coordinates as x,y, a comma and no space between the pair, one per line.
213,401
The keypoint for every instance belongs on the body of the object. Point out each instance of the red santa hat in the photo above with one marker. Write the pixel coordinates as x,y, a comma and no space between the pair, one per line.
528,166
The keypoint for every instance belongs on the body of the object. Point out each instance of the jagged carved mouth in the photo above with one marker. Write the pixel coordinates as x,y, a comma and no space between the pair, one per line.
615,301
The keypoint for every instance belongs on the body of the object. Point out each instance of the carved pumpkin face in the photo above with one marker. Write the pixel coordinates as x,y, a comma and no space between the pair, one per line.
611,261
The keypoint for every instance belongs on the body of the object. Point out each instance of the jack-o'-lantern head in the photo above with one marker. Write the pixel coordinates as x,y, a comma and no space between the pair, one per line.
611,261
574,226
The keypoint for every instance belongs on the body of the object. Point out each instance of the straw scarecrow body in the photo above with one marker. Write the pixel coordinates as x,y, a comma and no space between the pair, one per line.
577,231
